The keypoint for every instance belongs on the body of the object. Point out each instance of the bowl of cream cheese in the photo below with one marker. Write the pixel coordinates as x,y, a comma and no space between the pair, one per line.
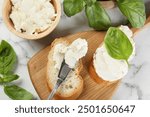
31,19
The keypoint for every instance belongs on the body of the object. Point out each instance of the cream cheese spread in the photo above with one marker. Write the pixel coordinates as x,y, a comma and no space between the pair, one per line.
72,53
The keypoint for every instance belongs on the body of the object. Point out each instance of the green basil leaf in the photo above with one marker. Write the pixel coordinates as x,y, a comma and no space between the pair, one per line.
134,10
97,17
117,44
90,2
17,93
8,78
7,57
72,7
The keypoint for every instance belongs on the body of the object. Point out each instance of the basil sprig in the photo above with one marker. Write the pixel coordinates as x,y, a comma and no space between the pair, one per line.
7,63
117,44
72,7
97,16
134,10
7,58
89,2
8,78
17,93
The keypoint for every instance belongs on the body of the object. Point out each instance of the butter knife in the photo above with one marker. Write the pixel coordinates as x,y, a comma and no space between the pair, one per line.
63,73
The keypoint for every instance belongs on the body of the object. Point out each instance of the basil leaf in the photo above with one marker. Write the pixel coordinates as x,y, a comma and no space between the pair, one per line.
97,17
17,93
7,57
90,2
8,78
134,10
72,7
117,44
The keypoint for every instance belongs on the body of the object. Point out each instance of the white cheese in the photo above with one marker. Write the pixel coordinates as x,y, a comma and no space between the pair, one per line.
75,51
108,68
71,53
32,16
58,55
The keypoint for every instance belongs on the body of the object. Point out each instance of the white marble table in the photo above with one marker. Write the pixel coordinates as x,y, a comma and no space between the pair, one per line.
136,85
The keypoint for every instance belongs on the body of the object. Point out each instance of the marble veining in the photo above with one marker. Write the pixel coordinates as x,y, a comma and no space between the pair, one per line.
136,84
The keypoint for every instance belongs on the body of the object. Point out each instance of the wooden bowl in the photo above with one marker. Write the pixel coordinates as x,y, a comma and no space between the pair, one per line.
7,7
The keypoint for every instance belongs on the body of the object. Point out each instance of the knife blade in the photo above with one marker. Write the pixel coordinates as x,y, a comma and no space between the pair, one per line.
63,73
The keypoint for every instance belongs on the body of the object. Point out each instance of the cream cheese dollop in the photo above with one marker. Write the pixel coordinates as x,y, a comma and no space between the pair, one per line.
72,53
108,68
32,16
75,51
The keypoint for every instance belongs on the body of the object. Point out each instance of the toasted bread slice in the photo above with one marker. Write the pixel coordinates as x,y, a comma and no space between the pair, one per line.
72,87
105,68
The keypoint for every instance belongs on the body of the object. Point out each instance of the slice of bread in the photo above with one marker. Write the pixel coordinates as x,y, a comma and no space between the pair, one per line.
105,68
72,87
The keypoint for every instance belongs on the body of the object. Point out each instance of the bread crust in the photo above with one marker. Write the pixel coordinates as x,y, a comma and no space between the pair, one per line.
76,92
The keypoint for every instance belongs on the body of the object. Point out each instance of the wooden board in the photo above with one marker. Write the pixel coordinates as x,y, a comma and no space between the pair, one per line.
91,91
37,70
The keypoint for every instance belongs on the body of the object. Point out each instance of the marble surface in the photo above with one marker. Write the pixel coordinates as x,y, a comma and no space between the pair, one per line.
135,85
